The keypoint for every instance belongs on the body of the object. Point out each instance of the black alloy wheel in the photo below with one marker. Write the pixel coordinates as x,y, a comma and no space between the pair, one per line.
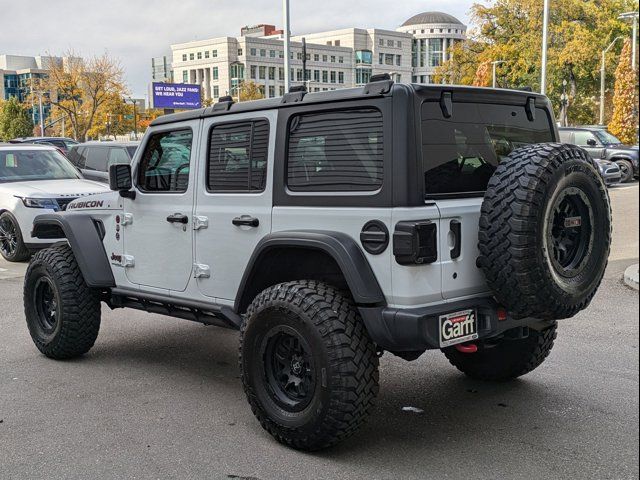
46,305
570,233
8,237
288,368
12,246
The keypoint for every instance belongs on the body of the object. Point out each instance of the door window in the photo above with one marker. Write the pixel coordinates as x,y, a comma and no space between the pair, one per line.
164,166
96,159
238,157
118,155
582,137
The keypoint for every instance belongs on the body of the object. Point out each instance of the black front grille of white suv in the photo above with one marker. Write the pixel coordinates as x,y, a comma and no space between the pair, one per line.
63,202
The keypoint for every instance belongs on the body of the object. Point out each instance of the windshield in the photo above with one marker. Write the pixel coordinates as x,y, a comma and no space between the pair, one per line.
132,151
461,152
23,165
607,138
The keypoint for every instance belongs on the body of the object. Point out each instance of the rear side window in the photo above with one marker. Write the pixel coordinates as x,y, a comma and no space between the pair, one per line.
337,151
238,155
118,155
96,158
165,163
76,157
460,153
566,136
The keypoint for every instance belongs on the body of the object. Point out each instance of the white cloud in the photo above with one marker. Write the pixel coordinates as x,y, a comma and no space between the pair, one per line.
135,30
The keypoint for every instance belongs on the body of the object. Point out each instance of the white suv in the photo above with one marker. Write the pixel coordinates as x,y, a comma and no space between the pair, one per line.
331,227
34,179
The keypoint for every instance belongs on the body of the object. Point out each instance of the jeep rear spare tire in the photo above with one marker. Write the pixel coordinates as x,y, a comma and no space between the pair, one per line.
545,231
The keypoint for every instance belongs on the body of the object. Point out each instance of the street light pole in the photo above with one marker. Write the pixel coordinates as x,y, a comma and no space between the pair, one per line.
545,28
494,64
634,32
287,34
602,77
40,113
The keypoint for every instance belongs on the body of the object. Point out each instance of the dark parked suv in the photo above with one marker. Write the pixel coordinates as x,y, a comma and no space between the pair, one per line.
603,145
61,143
94,158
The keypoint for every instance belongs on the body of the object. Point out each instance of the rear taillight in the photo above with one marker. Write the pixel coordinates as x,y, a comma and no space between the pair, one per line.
415,242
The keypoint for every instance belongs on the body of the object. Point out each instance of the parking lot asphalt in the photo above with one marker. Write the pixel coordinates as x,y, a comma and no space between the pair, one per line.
160,398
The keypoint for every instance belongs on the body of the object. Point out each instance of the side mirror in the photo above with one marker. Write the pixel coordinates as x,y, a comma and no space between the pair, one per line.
591,142
120,180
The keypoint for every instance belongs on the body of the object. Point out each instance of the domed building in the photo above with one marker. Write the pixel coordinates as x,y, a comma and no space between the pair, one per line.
434,33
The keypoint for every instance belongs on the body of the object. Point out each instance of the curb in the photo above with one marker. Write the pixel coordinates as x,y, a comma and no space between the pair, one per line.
631,276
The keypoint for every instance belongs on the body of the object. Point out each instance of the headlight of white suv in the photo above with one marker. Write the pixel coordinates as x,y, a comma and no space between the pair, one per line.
49,203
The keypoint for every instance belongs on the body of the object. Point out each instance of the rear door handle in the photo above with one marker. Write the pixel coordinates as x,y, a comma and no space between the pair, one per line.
178,218
246,221
456,229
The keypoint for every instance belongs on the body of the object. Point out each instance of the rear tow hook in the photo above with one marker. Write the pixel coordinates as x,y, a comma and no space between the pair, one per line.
467,347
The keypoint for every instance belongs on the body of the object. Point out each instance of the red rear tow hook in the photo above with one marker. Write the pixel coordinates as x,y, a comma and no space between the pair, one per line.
467,347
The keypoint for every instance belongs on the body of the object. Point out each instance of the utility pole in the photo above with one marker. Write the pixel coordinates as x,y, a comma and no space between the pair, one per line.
545,28
287,35
603,77
634,32
494,65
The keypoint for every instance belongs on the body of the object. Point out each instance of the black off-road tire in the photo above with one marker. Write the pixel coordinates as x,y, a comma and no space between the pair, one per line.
540,259
71,327
505,359
626,170
341,368
20,252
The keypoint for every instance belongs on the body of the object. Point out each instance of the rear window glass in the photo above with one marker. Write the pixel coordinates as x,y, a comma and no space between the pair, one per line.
460,153
340,150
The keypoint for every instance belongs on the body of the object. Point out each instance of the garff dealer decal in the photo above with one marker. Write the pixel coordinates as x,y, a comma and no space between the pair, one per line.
458,327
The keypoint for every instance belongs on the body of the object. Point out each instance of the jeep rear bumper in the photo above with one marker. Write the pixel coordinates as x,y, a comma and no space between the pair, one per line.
418,329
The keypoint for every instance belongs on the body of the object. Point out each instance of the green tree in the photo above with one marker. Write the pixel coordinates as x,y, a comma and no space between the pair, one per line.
14,120
624,122
511,31
81,89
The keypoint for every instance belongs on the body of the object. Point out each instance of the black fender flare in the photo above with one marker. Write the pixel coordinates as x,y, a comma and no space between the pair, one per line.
342,248
85,241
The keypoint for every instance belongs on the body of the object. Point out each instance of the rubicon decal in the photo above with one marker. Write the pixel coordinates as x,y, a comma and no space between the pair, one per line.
458,327
87,204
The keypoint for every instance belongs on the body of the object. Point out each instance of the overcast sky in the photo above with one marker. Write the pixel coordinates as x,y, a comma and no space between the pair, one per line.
136,30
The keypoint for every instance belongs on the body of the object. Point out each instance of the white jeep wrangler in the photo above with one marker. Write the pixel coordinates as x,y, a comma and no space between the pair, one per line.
330,227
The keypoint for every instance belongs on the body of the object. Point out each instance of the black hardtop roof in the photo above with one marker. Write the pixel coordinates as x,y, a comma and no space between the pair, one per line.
374,89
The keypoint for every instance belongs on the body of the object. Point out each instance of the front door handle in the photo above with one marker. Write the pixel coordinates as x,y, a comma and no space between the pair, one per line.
178,218
246,221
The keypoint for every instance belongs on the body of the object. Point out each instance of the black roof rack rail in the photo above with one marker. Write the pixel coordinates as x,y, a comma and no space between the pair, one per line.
224,103
295,94
378,84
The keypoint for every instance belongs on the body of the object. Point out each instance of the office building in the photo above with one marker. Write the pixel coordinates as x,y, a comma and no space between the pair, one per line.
334,59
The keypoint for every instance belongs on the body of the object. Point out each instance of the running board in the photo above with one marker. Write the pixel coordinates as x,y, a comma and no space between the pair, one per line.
206,313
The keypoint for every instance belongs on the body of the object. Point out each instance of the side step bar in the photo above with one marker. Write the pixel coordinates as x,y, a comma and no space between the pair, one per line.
208,314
